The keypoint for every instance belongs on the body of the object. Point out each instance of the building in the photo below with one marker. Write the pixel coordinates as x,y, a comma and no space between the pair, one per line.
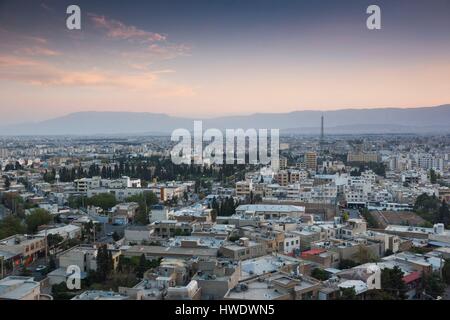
268,211
100,295
22,249
244,249
137,235
311,160
275,286
363,157
215,277
243,188
21,288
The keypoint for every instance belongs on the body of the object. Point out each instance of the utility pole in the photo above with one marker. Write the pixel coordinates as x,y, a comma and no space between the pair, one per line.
94,230
1,260
46,247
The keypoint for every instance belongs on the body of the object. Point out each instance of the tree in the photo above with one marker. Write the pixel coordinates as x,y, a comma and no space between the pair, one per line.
427,207
51,264
7,183
433,177
320,274
345,216
433,285
141,216
446,271
142,267
11,225
145,201
371,221
347,264
392,282
116,236
104,263
37,218
347,294
76,202
54,239
103,200
444,213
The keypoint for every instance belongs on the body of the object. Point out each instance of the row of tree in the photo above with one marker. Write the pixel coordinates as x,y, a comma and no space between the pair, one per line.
224,207
432,209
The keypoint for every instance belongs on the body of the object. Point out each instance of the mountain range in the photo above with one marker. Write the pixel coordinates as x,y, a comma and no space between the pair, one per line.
346,121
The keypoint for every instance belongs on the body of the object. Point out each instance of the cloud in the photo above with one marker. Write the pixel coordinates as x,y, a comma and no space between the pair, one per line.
39,51
7,61
119,30
38,73
25,45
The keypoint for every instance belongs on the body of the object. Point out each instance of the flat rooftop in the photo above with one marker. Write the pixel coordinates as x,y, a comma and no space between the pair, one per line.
16,287
170,251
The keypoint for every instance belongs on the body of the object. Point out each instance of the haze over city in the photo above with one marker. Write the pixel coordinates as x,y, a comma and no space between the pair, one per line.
208,59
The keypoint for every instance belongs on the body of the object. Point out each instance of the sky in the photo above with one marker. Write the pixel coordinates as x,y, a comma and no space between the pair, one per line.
207,58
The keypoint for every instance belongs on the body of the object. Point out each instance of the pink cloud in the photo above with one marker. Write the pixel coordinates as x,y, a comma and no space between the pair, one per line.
38,73
119,30
7,61
39,51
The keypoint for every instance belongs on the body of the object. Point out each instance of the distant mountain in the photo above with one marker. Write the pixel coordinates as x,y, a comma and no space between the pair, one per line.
346,121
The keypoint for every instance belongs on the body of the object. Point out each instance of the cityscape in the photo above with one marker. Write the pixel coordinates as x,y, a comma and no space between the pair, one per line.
351,204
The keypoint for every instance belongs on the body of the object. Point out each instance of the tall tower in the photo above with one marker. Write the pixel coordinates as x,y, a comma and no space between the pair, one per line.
321,129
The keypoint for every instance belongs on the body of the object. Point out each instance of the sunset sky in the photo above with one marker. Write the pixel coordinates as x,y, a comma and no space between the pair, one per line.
220,57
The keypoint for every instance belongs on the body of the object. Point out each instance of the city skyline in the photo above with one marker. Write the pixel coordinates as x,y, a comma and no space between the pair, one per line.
223,58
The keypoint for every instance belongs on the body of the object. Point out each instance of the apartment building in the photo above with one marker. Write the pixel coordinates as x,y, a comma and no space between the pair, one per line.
311,160
243,188
363,157
244,249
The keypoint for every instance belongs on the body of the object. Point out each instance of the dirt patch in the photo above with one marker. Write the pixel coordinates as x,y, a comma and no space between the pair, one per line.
406,218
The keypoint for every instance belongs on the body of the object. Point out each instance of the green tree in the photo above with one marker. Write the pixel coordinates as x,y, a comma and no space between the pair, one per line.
54,239
141,217
76,202
36,218
345,216
446,271
347,264
392,282
433,285
142,267
104,263
347,294
320,274
444,213
433,177
103,200
11,225
427,207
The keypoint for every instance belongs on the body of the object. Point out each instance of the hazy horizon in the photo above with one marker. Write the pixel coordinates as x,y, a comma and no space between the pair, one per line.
220,58
194,117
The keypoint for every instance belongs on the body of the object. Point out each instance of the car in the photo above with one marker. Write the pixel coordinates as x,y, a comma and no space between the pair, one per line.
110,234
40,268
